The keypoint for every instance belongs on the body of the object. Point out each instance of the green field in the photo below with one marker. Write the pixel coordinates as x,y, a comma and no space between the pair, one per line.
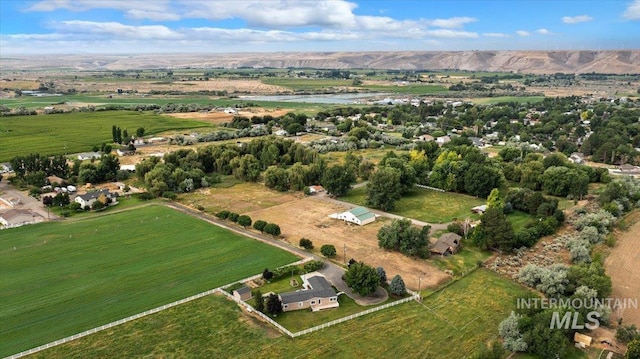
61,278
78,131
457,321
519,219
426,205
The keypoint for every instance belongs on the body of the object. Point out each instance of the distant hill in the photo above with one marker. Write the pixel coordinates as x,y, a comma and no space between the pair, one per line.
622,61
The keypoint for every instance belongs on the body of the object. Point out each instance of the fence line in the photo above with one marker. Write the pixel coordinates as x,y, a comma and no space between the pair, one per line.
260,314
429,187
140,315
414,296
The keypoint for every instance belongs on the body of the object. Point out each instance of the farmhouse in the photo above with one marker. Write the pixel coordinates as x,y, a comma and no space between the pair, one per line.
317,295
18,217
448,243
243,293
358,215
87,199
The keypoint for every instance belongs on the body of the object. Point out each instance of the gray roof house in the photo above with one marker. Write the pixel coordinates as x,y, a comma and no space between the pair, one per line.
89,198
317,295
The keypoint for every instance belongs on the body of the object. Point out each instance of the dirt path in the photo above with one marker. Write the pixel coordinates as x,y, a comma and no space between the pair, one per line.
623,266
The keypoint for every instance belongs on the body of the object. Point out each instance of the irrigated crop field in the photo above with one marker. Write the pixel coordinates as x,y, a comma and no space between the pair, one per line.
78,131
455,321
58,279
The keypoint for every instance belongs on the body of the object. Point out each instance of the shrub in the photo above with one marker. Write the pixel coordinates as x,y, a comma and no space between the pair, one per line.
328,250
169,195
382,274
267,274
306,243
627,333
244,220
223,214
313,266
397,286
259,225
233,217
272,229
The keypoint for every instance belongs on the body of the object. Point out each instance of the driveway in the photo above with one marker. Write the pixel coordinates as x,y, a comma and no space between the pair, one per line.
26,201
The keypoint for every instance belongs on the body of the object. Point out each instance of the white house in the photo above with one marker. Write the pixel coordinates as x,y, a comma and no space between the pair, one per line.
317,295
87,199
358,215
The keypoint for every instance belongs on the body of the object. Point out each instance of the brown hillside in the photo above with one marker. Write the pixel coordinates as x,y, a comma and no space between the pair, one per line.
623,61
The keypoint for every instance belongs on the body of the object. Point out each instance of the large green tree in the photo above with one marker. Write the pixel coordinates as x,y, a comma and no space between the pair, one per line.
384,188
337,179
495,231
362,278
405,238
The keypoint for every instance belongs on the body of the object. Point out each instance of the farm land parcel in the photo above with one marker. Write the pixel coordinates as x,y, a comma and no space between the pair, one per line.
78,131
58,279
458,320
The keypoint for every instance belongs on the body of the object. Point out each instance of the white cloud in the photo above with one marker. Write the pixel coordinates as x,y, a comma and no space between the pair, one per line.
451,34
84,5
117,29
494,34
544,32
522,33
451,23
576,19
633,11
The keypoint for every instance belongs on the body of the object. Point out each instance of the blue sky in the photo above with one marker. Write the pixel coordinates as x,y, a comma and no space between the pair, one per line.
208,26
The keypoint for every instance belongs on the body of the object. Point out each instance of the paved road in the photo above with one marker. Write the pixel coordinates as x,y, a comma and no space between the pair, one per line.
332,271
26,201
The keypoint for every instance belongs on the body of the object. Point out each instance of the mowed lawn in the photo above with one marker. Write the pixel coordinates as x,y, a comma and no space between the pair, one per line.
61,278
426,205
453,323
78,131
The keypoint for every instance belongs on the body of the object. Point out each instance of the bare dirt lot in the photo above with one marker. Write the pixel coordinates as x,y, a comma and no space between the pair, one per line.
308,218
623,266
229,85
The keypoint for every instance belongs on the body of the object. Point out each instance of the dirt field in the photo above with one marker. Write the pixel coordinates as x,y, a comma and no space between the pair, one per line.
229,85
623,266
242,198
308,218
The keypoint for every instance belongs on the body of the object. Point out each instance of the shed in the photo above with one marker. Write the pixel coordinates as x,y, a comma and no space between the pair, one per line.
448,243
243,293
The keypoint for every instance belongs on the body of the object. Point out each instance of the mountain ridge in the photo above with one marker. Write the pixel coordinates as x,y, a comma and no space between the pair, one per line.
536,62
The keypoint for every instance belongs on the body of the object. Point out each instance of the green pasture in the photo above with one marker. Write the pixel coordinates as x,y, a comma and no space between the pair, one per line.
426,205
77,131
61,278
453,322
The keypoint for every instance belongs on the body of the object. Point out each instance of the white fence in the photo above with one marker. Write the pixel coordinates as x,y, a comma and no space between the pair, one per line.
414,296
140,315
260,314
429,187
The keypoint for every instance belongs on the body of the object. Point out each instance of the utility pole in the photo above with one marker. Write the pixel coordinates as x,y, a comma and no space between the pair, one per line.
345,254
